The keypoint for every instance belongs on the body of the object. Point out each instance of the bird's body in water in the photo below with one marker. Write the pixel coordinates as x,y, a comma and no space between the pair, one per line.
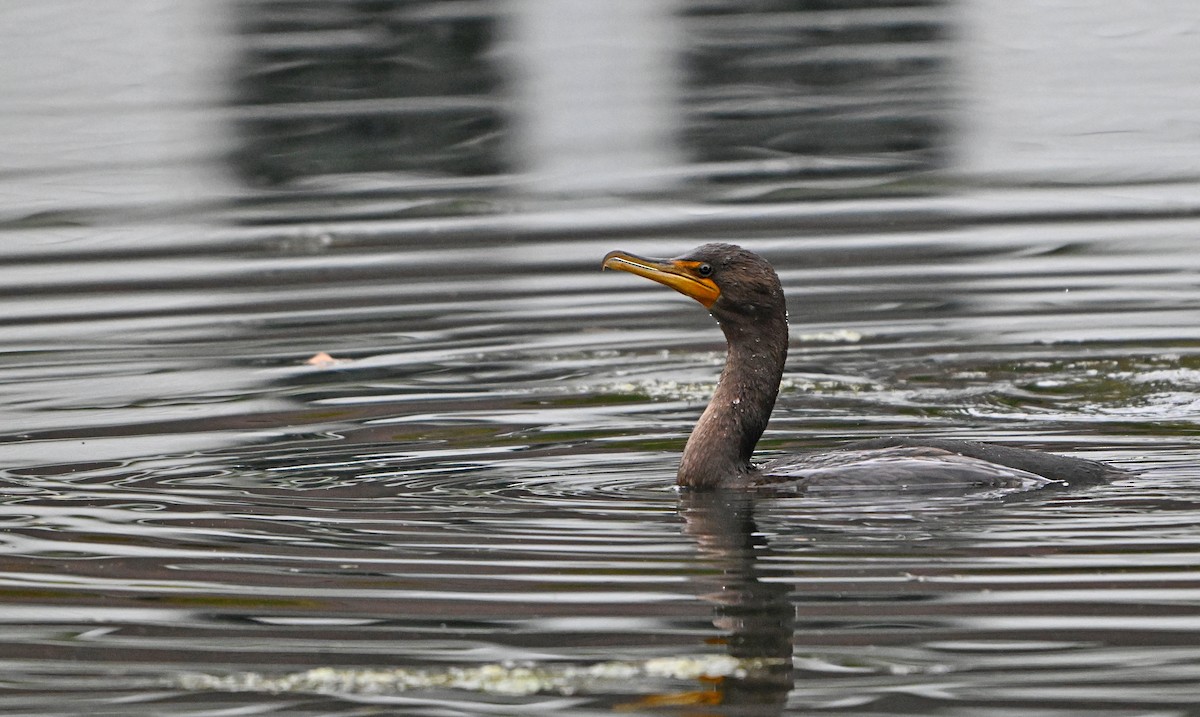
744,295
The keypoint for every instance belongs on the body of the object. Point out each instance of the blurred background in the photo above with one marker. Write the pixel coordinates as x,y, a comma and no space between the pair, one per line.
203,108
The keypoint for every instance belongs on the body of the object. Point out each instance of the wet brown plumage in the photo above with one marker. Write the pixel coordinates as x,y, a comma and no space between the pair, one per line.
744,295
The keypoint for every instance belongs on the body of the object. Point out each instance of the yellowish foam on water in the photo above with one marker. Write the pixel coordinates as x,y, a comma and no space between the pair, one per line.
497,679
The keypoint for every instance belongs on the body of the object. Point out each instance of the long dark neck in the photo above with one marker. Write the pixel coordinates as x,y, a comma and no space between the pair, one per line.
718,452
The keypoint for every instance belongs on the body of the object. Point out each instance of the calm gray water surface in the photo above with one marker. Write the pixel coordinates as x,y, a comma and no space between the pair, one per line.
469,509
194,518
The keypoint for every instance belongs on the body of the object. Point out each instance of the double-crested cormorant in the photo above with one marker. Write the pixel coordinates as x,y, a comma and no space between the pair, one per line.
743,293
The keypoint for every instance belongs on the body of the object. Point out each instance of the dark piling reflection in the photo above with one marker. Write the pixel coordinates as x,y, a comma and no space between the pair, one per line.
757,616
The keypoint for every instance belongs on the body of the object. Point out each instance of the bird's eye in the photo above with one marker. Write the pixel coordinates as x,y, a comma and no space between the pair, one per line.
704,270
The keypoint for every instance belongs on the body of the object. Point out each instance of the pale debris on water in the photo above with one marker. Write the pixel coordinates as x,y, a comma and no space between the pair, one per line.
653,388
702,391
497,679
839,336
324,360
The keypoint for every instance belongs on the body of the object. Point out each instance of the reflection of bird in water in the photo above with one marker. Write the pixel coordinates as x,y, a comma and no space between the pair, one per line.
756,618
743,293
